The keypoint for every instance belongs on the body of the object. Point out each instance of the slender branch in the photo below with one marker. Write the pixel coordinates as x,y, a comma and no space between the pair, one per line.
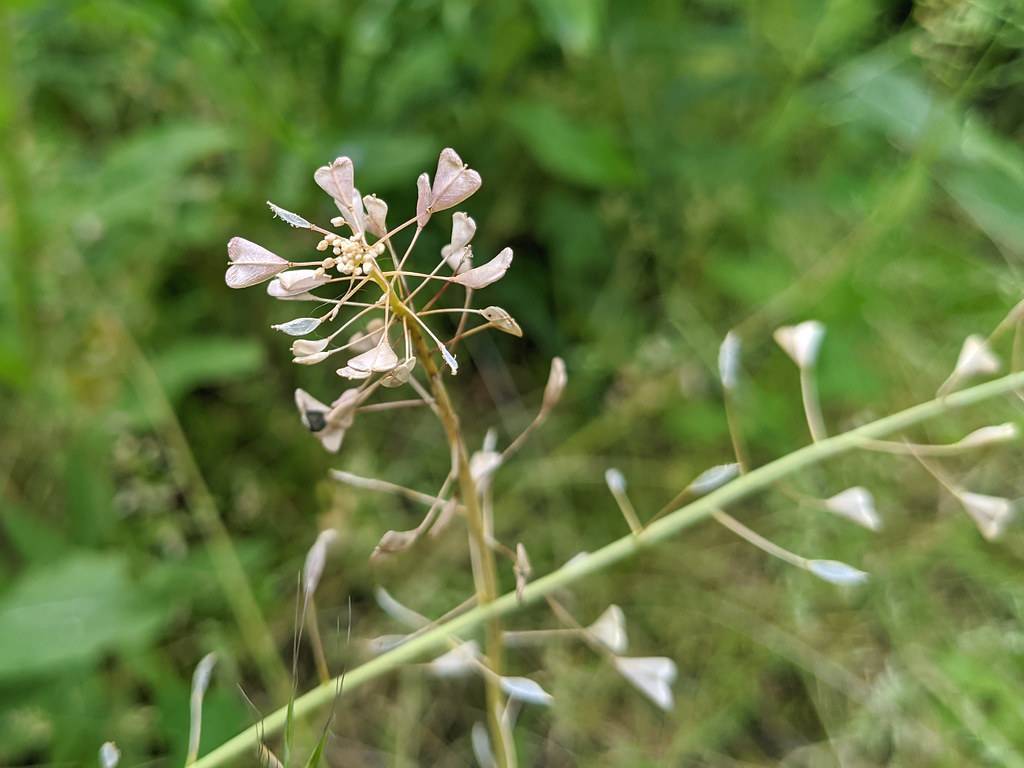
245,743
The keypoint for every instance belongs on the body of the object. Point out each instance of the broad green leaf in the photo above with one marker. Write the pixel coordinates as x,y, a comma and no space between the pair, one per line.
586,151
70,613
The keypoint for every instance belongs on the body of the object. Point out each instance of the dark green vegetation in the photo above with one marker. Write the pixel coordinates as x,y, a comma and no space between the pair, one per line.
664,172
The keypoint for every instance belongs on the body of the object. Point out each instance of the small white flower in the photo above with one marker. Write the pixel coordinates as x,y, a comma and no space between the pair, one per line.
459,661
651,675
975,359
729,360
836,572
610,630
251,263
856,504
801,342
990,513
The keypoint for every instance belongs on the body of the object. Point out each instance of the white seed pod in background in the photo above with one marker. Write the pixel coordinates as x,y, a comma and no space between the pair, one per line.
486,274
200,682
990,513
975,359
458,662
615,481
557,380
312,359
801,342
376,215
300,326
301,280
729,361
288,217
481,742
522,570
394,541
454,181
385,643
991,435
836,572
525,690
316,559
610,630
365,340
856,504
713,478
502,320
482,466
651,675
110,755
251,264
397,611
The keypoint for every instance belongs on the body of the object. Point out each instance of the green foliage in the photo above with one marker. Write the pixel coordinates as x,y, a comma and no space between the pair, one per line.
664,172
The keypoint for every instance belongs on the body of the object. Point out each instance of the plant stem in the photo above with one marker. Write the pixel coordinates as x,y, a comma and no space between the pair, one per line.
658,532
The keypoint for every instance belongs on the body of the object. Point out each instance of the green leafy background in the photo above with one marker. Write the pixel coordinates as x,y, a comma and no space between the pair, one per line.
665,172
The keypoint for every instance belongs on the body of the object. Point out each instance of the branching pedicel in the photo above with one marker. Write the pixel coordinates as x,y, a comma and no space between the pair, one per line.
380,292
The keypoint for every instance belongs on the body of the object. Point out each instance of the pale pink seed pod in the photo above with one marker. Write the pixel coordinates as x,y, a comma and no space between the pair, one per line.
486,274
251,264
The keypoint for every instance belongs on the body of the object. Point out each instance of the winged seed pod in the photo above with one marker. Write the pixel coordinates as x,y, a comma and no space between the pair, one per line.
651,675
380,359
251,264
610,630
454,181
729,361
338,181
486,274
801,342
301,280
458,254
990,513
856,504
316,559
300,326
110,755
376,215
502,320
327,423
305,347
200,682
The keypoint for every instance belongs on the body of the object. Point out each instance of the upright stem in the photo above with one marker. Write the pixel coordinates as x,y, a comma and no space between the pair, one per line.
485,574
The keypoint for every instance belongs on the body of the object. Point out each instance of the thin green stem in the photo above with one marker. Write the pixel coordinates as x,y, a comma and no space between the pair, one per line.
245,743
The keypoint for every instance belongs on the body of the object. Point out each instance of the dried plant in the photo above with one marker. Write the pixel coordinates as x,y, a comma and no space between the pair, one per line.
388,309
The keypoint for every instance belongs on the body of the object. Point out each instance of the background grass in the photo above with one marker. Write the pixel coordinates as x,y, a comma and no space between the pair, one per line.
664,171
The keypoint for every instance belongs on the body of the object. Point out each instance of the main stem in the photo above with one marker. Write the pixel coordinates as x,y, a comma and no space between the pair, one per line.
485,574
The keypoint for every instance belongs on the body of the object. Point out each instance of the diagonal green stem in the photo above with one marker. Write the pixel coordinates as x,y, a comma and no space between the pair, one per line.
246,743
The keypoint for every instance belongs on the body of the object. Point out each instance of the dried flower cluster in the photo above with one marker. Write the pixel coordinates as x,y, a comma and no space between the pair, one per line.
374,289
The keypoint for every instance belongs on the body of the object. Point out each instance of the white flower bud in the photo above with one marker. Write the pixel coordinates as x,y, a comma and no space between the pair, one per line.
110,755
990,513
610,630
525,690
856,504
837,573
975,359
729,361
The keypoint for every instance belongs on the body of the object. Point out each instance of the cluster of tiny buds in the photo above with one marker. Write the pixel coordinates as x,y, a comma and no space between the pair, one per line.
354,255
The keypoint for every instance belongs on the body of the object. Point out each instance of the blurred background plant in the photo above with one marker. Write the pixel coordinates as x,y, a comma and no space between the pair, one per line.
664,172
